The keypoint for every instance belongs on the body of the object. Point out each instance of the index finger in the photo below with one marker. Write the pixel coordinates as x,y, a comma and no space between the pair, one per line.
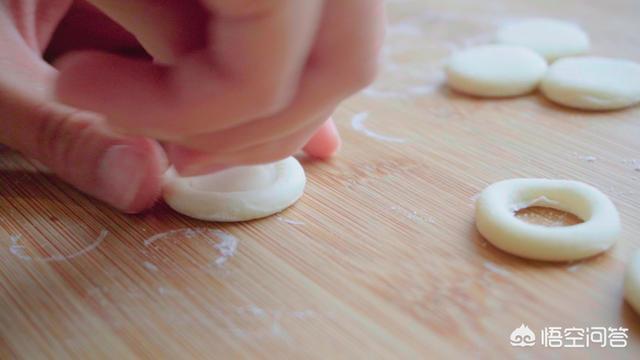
249,68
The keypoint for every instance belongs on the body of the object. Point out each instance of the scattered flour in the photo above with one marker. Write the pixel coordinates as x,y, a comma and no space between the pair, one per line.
413,215
357,122
289,221
150,266
18,250
227,246
496,269
588,158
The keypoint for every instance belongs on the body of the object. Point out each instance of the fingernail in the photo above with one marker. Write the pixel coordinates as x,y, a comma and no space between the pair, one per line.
120,175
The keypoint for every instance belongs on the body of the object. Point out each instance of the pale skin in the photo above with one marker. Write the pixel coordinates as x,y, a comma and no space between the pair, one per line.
200,84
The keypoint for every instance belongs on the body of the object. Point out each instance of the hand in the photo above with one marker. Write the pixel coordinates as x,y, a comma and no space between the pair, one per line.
122,171
125,171
234,81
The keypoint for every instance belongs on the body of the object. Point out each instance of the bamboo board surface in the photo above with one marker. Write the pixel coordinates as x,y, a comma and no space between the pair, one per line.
379,259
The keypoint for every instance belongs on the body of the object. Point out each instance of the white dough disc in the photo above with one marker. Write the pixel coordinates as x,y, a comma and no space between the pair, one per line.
632,282
236,194
593,83
495,70
550,38
496,220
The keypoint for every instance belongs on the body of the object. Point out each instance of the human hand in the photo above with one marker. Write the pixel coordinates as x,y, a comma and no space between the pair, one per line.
233,82
122,171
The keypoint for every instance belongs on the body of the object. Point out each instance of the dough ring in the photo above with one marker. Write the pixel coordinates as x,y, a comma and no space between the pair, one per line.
632,282
237,194
496,221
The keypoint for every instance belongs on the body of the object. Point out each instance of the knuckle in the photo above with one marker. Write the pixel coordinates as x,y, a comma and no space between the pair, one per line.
59,138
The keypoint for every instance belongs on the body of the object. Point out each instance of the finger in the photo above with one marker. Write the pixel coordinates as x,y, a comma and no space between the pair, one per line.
86,27
344,60
325,142
189,162
165,29
250,69
123,172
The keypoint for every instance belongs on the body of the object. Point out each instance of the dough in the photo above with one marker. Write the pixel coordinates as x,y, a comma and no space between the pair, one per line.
495,70
632,282
496,221
236,194
593,83
550,38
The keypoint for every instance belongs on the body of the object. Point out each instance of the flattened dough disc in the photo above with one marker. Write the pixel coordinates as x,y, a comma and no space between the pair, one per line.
593,83
550,38
495,70
632,282
237,194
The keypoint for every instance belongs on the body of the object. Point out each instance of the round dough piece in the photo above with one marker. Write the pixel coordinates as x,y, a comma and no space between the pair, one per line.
496,221
550,38
236,194
632,282
495,70
593,83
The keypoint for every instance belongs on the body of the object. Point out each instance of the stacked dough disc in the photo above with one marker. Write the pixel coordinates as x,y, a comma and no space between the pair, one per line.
517,65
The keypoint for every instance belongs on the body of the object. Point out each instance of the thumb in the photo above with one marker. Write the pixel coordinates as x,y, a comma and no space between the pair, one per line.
123,172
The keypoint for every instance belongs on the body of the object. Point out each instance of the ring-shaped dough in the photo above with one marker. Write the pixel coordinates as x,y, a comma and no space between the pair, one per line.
237,194
632,282
495,70
496,221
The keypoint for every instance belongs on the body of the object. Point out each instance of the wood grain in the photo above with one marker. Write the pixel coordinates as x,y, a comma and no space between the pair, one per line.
379,259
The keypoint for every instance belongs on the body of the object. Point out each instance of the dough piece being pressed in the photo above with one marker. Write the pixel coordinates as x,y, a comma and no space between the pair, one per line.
496,221
237,194
550,38
632,282
593,83
495,70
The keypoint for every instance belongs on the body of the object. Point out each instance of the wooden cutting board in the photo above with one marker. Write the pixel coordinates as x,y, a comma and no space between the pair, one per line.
379,259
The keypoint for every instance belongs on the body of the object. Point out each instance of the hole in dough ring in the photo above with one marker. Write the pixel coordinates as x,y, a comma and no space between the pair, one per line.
632,282
237,194
496,221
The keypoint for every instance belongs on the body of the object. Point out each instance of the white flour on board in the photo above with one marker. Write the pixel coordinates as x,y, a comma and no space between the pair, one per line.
588,158
289,221
150,266
413,215
227,246
496,269
357,122
18,250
